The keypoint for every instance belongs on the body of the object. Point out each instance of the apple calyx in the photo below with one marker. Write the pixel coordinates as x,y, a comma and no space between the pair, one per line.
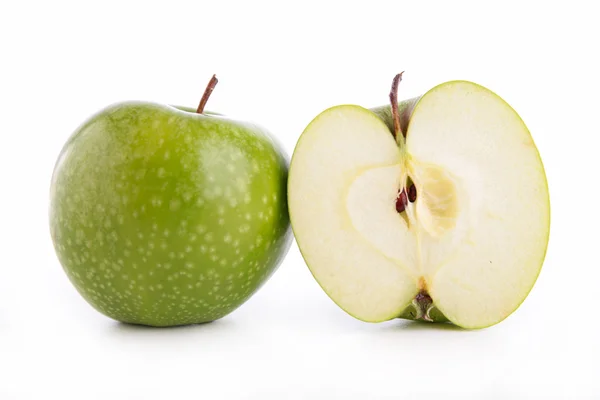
207,92
423,305
422,308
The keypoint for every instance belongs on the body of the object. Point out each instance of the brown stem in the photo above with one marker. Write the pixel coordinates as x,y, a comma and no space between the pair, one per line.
207,92
394,102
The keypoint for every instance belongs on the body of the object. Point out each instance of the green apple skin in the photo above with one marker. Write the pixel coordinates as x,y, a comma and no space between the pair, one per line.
161,216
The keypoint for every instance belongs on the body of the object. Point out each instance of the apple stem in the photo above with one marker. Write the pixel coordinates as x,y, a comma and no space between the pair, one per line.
207,92
394,102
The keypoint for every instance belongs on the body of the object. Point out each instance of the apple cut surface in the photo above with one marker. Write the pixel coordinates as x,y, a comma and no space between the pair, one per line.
473,241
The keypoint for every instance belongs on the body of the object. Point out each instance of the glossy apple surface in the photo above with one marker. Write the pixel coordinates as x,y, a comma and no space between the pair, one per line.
161,216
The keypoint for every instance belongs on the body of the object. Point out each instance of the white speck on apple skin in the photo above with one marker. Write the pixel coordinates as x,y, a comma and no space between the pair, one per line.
174,204
156,202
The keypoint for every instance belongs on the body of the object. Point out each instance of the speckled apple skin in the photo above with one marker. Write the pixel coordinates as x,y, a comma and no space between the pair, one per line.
164,217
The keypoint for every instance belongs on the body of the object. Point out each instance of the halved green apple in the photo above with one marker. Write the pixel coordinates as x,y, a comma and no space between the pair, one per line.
447,222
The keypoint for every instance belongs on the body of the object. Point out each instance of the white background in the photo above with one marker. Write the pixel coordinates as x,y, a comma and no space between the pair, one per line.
281,64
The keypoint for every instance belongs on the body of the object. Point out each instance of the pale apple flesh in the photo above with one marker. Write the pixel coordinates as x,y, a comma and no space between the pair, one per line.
470,247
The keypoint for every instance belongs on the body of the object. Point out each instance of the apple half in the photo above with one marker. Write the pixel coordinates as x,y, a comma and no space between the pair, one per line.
449,221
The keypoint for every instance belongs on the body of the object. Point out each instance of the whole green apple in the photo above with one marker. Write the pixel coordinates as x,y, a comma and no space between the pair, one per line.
164,216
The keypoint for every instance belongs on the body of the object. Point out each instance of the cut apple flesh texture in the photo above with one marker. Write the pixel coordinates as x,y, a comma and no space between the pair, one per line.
474,239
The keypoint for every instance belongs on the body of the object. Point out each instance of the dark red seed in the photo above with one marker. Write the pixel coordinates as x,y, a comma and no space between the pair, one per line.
412,193
401,201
